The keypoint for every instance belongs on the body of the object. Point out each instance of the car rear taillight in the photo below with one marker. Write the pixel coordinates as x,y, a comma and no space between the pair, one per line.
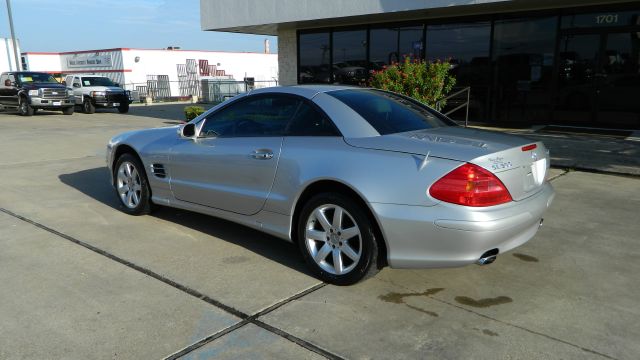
470,185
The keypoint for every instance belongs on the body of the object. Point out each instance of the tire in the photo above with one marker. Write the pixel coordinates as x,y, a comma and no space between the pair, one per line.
88,107
325,243
25,108
123,109
131,185
68,110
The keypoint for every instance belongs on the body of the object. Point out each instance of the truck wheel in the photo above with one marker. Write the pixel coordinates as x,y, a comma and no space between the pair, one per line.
25,109
68,110
88,107
123,109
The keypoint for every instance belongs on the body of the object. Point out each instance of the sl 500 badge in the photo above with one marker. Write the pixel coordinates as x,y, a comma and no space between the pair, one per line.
498,163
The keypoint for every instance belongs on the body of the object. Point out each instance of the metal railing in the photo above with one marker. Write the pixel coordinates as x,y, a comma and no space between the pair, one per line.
208,90
215,91
457,98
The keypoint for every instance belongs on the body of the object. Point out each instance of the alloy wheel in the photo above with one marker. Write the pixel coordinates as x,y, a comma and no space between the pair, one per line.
129,185
333,239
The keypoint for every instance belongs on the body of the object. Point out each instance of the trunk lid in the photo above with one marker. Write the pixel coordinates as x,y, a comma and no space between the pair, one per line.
520,165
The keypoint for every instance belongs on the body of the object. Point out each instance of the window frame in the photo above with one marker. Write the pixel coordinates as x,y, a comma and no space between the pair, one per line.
252,97
322,113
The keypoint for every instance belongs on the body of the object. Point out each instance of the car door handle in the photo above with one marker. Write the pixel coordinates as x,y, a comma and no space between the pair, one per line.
262,154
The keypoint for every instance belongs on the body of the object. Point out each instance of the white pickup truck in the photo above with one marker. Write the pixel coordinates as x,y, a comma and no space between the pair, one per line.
91,91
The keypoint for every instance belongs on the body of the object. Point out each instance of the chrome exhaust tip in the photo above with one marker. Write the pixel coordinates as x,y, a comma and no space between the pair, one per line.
488,257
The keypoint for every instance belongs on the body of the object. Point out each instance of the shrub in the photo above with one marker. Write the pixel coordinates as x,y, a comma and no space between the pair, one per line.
427,82
191,112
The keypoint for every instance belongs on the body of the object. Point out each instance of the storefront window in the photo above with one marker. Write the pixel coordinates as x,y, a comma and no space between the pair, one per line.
350,57
315,58
384,47
466,46
523,61
393,44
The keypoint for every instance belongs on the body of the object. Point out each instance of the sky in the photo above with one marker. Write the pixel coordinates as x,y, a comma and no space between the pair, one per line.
68,25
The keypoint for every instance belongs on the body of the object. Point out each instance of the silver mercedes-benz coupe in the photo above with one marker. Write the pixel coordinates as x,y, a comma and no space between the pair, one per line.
358,178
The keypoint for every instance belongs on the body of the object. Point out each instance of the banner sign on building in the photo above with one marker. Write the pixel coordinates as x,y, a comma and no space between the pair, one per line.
90,61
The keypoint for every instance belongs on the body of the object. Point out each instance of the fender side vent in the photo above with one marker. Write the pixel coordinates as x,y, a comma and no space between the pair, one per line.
158,171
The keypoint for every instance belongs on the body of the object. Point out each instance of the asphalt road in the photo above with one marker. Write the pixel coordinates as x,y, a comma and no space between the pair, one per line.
82,280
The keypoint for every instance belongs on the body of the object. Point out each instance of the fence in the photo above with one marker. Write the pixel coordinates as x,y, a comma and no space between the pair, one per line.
457,100
208,90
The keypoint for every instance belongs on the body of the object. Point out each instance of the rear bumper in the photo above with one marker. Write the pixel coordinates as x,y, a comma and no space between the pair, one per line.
448,235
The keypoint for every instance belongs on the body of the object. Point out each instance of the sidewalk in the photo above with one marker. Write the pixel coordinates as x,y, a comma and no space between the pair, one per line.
591,152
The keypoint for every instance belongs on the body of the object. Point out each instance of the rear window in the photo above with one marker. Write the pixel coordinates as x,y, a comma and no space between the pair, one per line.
390,113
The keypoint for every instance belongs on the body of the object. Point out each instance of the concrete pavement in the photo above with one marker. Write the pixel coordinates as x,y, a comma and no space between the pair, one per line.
588,152
83,280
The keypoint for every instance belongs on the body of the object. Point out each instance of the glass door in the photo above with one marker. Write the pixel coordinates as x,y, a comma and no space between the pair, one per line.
598,80
577,71
618,81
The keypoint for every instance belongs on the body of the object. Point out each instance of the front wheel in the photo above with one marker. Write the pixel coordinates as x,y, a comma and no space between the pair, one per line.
25,108
123,109
132,186
68,110
337,240
88,107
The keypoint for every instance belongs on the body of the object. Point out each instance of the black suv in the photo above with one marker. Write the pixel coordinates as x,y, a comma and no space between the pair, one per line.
29,91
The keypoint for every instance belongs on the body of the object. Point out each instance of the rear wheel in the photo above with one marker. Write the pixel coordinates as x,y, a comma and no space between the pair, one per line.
25,108
337,240
123,109
68,110
132,186
87,106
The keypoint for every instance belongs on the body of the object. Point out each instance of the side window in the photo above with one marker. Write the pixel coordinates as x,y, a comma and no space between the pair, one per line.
3,79
309,121
266,115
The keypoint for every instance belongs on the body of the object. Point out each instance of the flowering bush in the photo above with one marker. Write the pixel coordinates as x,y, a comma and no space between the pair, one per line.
427,82
191,112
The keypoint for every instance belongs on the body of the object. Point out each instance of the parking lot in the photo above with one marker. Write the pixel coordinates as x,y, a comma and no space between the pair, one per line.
82,280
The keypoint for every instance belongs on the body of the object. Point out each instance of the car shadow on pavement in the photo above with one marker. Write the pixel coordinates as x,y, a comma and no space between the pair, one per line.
95,184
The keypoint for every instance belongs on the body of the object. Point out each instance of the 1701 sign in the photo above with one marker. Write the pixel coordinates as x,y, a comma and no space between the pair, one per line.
607,19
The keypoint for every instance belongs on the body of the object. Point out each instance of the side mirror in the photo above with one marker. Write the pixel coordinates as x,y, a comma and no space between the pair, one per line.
116,85
7,83
76,85
64,82
188,131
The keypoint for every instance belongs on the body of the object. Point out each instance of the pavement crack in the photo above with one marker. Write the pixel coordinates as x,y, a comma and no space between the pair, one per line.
564,172
305,344
246,318
591,351
289,299
206,340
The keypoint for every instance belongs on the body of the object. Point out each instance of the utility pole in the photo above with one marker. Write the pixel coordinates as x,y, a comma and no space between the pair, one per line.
13,37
